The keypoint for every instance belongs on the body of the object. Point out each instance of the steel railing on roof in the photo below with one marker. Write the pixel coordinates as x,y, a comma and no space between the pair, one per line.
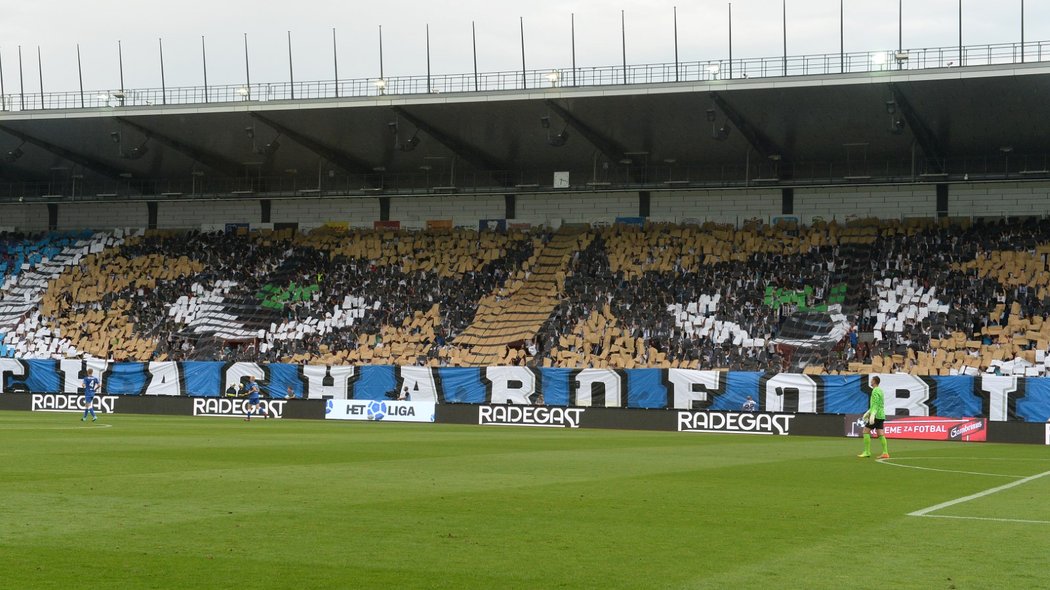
662,73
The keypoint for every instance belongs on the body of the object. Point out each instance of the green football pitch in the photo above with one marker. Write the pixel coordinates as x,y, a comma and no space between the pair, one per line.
170,502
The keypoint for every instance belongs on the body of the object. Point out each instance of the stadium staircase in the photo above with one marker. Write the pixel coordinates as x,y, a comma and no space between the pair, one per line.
510,320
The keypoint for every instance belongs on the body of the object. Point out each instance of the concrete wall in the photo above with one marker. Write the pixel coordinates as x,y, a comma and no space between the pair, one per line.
99,215
721,205
872,201
726,206
23,217
359,211
1021,198
461,209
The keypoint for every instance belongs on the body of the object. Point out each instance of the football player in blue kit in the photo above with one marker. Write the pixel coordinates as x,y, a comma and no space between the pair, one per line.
90,389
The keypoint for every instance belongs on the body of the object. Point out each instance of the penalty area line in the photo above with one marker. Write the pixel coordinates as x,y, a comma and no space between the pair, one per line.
988,492
890,462
983,518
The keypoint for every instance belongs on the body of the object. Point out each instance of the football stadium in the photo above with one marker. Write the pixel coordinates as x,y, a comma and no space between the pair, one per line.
709,322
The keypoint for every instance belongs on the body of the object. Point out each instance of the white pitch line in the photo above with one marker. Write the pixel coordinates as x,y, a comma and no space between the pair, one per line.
887,462
988,492
31,427
982,518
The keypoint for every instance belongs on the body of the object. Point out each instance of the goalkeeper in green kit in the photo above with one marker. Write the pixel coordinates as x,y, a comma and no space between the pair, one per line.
873,420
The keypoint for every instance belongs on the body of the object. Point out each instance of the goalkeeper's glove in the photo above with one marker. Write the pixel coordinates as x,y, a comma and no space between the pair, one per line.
867,417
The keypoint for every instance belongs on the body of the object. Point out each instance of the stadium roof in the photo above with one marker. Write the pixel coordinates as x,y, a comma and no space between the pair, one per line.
887,126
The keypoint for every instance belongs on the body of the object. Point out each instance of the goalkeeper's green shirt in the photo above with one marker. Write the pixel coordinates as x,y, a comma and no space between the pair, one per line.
878,404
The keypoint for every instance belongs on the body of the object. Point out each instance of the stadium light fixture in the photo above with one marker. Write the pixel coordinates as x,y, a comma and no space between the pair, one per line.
242,91
879,59
411,143
15,154
553,78
558,139
381,85
250,132
891,107
711,115
137,152
713,69
115,136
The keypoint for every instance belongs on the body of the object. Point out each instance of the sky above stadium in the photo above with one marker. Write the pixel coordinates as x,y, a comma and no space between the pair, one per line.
57,26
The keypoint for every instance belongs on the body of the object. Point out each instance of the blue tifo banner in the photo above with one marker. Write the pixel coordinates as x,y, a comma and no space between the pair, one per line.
992,397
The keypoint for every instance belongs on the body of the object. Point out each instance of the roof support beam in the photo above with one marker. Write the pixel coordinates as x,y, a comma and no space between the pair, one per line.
609,148
211,160
85,161
759,141
334,155
924,136
476,157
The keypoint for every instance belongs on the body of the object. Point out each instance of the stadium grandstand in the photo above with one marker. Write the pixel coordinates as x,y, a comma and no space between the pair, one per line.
837,220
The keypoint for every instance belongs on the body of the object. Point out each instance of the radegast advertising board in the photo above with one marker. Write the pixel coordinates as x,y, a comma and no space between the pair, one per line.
735,422
540,416
222,407
379,411
58,402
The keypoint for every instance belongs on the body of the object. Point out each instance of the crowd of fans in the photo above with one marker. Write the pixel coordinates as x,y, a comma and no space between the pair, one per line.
941,257
251,262
631,277
642,304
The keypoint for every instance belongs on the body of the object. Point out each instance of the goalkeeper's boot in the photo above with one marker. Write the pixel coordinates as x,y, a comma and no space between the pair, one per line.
864,455
884,456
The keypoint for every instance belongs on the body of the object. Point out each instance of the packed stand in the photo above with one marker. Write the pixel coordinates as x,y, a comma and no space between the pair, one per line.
328,296
922,296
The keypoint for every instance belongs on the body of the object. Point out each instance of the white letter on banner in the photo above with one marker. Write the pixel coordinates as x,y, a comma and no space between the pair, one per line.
585,383
163,378
10,367
783,386
340,387
73,380
238,371
416,384
906,395
691,385
510,385
995,392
